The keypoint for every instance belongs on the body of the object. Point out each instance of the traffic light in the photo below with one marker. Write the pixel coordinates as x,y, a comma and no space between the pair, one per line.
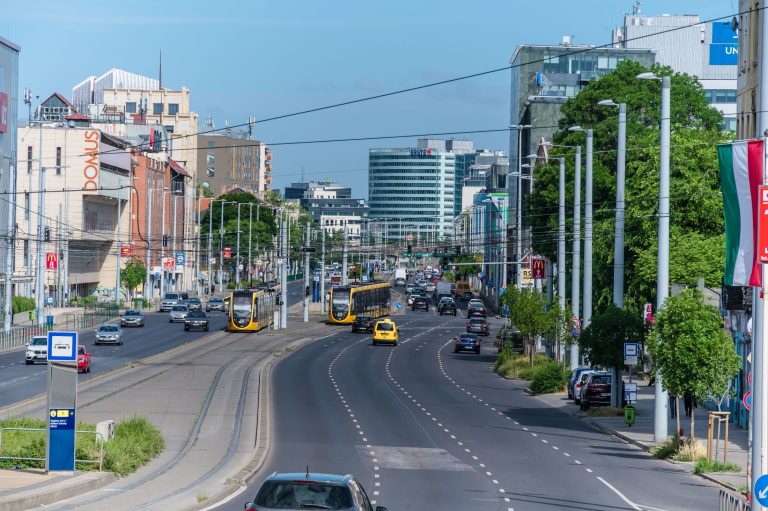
165,240
410,250
47,234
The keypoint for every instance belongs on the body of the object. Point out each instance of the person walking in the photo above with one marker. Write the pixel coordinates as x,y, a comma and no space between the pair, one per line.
672,406
690,403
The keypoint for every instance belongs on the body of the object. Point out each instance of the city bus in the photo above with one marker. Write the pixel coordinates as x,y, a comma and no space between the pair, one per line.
251,310
349,301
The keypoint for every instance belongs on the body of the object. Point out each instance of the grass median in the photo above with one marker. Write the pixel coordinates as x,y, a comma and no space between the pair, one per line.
135,443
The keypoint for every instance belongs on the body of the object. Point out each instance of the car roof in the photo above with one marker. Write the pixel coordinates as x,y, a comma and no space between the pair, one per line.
467,334
310,476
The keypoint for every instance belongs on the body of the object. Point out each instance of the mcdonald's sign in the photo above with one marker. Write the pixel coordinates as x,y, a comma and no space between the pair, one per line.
52,261
538,268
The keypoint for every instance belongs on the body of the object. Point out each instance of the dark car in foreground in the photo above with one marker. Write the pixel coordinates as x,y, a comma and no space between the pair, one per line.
196,320
478,326
446,306
297,491
363,324
132,318
596,390
420,302
466,342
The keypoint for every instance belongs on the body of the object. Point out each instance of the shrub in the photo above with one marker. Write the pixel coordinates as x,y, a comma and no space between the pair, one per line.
22,304
513,365
704,465
549,377
667,448
136,442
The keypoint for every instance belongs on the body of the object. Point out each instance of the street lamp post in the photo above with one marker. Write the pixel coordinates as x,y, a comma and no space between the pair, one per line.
561,239
587,289
519,205
237,261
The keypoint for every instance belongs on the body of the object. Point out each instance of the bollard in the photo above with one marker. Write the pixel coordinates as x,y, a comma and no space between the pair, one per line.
629,415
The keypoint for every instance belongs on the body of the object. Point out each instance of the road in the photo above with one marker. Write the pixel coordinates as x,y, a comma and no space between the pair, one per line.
20,381
425,428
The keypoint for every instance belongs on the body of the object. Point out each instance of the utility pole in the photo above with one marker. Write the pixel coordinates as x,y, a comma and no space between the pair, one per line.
11,247
148,287
250,256
174,278
587,316
561,244
118,244
322,270
284,276
221,247
306,277
344,253
618,249
237,263
575,288
162,242
39,284
211,280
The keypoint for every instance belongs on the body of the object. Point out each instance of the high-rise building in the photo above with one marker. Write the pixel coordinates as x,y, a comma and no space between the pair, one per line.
331,206
414,189
9,101
232,160
708,51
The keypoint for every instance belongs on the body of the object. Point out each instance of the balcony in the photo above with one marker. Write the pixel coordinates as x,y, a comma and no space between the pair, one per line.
268,180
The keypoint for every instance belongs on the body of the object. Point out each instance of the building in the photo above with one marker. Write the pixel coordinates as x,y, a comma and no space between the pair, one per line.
748,71
414,189
464,152
9,101
708,51
233,161
331,206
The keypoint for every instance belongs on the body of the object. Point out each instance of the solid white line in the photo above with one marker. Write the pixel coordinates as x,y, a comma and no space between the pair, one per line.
621,495
227,499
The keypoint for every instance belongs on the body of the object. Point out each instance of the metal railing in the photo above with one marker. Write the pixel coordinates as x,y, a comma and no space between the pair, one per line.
732,502
19,336
99,437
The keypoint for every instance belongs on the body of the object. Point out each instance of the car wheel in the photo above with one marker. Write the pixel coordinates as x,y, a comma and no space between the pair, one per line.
29,362
206,329
374,343
120,343
455,350
477,351
186,328
96,343
583,405
454,313
170,321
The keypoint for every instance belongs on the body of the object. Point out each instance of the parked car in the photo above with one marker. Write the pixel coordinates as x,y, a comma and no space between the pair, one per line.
215,304
478,326
169,300
466,342
37,350
362,324
178,313
385,331
578,384
446,305
294,492
194,304
132,317
419,302
575,376
196,319
596,390
83,359
109,334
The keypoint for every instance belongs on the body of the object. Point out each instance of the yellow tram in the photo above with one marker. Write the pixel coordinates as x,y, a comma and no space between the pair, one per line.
251,310
347,302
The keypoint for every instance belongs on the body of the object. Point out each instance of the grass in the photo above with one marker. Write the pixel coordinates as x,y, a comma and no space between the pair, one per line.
511,365
605,411
675,449
703,465
201,497
136,442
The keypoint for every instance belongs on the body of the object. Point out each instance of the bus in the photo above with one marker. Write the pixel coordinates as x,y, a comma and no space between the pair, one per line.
251,310
349,301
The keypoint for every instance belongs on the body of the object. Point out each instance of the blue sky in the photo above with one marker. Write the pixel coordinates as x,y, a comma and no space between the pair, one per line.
271,57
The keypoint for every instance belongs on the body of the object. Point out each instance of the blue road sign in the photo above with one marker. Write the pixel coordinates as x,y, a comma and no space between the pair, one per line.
761,490
61,425
399,305
62,346
181,258
505,311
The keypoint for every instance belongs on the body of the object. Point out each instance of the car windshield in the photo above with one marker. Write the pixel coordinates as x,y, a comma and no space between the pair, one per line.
241,307
39,341
80,350
108,328
303,495
179,308
171,296
386,327
132,313
196,315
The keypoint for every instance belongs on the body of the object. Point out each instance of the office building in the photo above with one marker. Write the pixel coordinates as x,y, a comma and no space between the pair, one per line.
331,206
232,160
708,51
9,101
413,188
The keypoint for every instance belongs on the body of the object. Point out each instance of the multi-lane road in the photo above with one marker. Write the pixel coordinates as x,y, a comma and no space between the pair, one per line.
425,428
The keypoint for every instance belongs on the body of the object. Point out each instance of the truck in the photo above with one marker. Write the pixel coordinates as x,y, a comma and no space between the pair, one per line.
443,289
400,278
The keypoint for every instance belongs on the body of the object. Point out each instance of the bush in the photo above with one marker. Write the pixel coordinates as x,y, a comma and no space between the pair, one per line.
549,377
513,365
136,442
141,302
22,304
667,448
704,465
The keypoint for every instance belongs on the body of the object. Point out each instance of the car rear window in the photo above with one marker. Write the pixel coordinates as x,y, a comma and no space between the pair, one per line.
196,315
179,307
171,296
303,494
387,327
603,379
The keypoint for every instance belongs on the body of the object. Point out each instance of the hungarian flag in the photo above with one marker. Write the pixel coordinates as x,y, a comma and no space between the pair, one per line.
741,172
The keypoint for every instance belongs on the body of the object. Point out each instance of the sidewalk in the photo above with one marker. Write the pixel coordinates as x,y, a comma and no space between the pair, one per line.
209,416
641,433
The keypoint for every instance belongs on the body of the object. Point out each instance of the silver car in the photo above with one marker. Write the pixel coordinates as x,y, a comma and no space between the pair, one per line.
169,300
178,313
109,334
37,350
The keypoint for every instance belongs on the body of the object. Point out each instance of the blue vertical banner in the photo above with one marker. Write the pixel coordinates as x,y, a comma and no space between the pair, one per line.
724,48
61,439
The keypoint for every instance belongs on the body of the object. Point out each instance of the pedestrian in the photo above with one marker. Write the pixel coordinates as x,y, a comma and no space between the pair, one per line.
690,403
673,406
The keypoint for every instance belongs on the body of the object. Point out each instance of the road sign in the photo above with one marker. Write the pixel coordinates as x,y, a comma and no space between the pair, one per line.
505,311
630,353
647,313
181,258
61,439
630,392
168,263
747,400
538,268
761,490
125,250
62,346
399,305
762,224
227,252
51,261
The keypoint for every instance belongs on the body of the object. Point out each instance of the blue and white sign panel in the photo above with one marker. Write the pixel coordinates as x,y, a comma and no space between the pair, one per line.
181,258
724,50
62,346
61,424
761,490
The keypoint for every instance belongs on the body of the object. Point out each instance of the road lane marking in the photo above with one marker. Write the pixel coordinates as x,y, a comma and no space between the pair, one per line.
621,495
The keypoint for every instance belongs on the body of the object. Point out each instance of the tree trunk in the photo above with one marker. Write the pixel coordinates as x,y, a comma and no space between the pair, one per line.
531,348
677,415
691,436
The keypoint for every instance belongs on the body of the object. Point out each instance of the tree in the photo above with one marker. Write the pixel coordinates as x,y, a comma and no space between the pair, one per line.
696,203
528,313
691,349
133,274
602,342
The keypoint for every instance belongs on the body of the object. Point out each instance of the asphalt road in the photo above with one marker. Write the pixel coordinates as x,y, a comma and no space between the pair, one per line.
19,381
424,428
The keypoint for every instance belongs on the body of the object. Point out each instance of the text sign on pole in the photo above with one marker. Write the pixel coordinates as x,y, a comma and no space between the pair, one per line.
762,224
227,252
630,353
51,261
61,439
538,268
62,346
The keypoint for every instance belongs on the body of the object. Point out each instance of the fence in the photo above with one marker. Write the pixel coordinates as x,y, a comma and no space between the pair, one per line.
100,439
732,502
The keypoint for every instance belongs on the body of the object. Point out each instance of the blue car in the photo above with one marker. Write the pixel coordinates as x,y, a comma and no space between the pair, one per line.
467,342
575,375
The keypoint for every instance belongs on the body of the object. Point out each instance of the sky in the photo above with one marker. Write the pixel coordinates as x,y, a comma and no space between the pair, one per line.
266,58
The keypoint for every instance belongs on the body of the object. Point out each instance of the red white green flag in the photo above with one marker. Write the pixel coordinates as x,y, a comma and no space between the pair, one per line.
741,172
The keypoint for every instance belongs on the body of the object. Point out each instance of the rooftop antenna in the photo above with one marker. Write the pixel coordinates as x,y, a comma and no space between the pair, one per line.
160,81
28,102
636,8
251,122
209,122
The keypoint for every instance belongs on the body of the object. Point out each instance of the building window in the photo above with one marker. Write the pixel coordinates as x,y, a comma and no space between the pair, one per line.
173,108
26,251
157,108
29,159
58,161
130,107
168,128
26,205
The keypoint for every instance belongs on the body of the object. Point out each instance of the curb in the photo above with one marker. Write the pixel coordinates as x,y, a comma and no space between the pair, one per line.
30,497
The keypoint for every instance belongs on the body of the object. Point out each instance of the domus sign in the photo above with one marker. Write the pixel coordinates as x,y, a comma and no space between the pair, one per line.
91,143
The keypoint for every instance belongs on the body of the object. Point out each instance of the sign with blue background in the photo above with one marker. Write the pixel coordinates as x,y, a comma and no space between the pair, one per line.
62,346
181,258
724,50
61,439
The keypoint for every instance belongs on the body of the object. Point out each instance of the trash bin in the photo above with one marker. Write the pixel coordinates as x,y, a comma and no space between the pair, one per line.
629,415
49,321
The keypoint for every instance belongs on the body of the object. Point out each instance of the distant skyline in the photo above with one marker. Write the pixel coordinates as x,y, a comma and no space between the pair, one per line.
272,57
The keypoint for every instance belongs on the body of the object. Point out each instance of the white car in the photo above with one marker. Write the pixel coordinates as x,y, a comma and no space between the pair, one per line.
476,302
429,288
109,334
37,350
178,313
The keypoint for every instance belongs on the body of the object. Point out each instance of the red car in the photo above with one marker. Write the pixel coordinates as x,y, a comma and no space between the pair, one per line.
83,360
